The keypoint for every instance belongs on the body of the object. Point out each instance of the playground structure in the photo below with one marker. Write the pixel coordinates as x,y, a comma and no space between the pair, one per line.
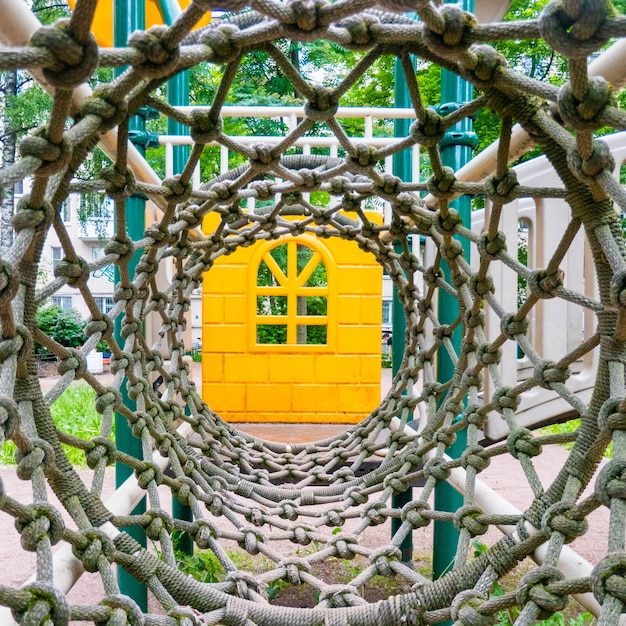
261,494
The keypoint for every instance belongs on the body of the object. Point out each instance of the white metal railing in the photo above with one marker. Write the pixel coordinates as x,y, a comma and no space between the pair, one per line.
290,116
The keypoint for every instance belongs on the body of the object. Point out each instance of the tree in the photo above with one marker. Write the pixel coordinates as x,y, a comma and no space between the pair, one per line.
64,326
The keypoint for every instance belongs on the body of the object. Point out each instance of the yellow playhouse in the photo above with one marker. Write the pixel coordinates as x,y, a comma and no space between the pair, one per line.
291,331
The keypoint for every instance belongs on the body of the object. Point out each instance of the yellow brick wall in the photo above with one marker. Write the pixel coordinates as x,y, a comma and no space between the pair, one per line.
337,382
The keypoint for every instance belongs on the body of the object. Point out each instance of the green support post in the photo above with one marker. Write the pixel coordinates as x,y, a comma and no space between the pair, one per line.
128,16
456,151
178,95
402,169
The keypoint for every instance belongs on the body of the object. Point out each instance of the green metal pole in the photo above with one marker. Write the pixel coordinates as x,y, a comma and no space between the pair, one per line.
401,168
129,16
178,95
456,151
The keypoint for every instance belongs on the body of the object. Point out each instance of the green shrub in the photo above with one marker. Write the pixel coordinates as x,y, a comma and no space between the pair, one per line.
66,327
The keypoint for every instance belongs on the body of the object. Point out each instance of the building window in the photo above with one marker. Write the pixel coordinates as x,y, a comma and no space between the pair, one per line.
65,302
57,257
104,303
386,312
292,296
66,213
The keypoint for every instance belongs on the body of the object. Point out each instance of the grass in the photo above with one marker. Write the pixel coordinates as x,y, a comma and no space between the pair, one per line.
570,427
73,413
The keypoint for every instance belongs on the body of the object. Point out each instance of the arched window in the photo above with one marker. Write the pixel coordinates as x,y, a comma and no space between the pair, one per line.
292,296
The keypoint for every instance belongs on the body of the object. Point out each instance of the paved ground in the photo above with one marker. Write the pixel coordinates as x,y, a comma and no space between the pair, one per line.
504,476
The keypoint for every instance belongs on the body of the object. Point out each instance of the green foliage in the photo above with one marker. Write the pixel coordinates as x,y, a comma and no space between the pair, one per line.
203,565
73,413
507,617
64,326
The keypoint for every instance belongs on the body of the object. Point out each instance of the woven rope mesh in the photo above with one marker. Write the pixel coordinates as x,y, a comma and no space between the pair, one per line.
296,506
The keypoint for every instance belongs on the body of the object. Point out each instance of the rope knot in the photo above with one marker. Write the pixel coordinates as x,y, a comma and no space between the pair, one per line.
103,105
46,605
204,127
412,514
44,522
41,455
147,474
250,539
482,286
76,272
71,62
503,190
612,415
9,282
222,42
338,596
486,354
245,583
9,417
483,64
437,468
560,518
429,130
102,449
535,587
547,372
124,611
505,398
521,441
293,566
119,185
543,284
177,192
31,216
452,251
452,34
94,546
574,33
588,113
363,158
342,545
75,362
601,160
608,577
359,28
159,521
160,57
611,482
396,482
465,609
322,106
475,457
381,559
388,185
374,513
442,187
467,517
509,326
306,14
54,157
108,397
448,223
123,249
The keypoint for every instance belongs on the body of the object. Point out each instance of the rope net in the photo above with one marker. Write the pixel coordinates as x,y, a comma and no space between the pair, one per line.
298,505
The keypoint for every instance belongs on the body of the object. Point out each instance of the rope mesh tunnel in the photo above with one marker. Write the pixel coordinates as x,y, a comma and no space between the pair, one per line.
271,500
